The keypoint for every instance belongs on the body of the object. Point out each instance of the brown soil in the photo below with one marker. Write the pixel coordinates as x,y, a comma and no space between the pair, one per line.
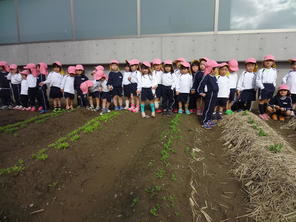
13,116
103,176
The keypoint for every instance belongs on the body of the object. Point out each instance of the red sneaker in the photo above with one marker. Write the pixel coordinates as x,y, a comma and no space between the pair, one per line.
40,108
175,110
191,111
158,111
33,109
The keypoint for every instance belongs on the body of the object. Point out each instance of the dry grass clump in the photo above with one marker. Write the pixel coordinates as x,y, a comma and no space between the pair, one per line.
291,124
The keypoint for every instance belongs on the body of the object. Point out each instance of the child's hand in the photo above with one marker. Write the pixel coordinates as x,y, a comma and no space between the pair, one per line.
100,89
41,84
177,93
154,87
129,78
202,94
192,91
138,92
62,90
110,88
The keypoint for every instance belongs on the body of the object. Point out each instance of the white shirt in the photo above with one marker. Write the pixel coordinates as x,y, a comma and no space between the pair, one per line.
24,87
103,85
266,76
95,87
184,83
290,80
168,79
247,80
147,81
158,75
125,80
68,84
32,81
54,79
14,78
224,86
134,76
233,80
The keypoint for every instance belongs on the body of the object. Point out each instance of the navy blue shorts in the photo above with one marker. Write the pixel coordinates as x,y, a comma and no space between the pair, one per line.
68,95
248,95
183,97
232,95
55,92
133,88
221,102
107,96
116,91
293,97
127,90
158,91
146,94
95,94
267,92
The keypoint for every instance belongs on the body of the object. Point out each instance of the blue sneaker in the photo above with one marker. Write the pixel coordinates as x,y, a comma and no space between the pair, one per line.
121,108
206,126
180,111
187,112
117,108
42,111
212,123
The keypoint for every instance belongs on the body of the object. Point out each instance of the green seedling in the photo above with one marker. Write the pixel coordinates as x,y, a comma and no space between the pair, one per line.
160,173
62,146
171,199
262,132
53,184
154,211
245,113
150,163
135,201
255,126
75,138
16,168
173,177
40,155
250,120
276,148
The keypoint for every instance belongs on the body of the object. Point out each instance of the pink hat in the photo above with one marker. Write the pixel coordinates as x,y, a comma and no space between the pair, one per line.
5,65
223,64
204,58
250,60
180,59
156,62
99,67
185,64
114,61
99,74
71,70
84,86
25,72
79,67
210,64
43,68
32,68
283,87
233,65
58,63
269,57
147,64
13,66
134,62
168,62
292,60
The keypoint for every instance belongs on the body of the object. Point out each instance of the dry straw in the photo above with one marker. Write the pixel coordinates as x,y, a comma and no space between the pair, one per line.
291,124
269,178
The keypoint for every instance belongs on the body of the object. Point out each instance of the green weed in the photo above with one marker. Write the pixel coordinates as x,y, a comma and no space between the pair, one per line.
276,148
262,132
160,173
40,155
155,210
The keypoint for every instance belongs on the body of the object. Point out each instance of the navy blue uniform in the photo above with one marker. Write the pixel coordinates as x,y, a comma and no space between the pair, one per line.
115,80
81,99
283,102
42,94
210,82
5,91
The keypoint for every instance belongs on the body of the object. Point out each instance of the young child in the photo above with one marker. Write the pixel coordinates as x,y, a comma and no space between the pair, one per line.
168,86
192,96
209,90
32,84
246,85
133,78
115,84
224,91
126,85
54,80
183,86
15,80
42,90
104,89
80,77
280,106
146,83
266,82
67,87
177,73
5,90
233,68
290,80
157,72
24,91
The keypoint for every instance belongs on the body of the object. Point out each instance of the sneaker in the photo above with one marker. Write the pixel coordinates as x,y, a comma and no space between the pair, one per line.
42,111
143,114
274,117
175,110
20,108
212,123
28,109
199,112
188,112
158,111
228,112
262,116
33,109
215,116
153,114
206,126
180,111
126,107
135,110
191,111
10,107
219,116
281,118
116,108
103,111
97,108
40,108
169,112
267,116
131,108
292,113
121,108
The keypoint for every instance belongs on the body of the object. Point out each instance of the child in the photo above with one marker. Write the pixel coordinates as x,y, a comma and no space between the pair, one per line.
192,96
32,84
24,91
104,89
183,85
246,85
4,85
209,90
157,72
168,86
266,82
133,78
115,84
280,106
126,85
67,87
42,90
15,80
80,77
54,80
94,92
290,80
233,68
146,82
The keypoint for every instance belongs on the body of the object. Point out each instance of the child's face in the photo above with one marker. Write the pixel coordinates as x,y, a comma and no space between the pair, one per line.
145,70
268,63
223,71
114,67
127,68
134,68
184,70
283,92
214,71
194,68
167,69
79,72
250,67
178,63
1,68
202,65
24,76
13,71
157,67
72,74
293,65
56,69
